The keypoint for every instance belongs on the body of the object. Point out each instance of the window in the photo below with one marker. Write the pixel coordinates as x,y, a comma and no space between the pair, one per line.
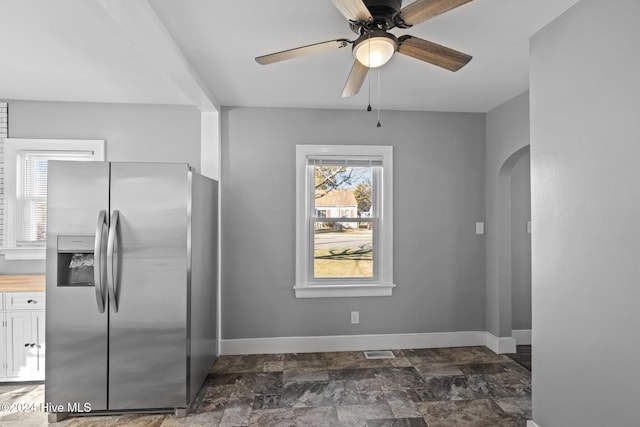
344,221
25,226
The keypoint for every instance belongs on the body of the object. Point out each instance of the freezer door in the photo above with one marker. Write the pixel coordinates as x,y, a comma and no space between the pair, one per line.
77,330
148,264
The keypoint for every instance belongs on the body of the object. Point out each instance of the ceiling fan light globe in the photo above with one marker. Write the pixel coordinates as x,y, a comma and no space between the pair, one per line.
376,59
375,51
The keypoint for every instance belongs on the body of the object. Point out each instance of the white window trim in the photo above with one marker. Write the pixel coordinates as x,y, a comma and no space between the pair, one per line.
384,285
12,146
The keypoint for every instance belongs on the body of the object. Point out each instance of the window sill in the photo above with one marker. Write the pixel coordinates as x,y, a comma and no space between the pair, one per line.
342,291
23,254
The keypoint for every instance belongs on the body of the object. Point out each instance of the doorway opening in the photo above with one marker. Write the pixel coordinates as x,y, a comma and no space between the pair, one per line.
514,242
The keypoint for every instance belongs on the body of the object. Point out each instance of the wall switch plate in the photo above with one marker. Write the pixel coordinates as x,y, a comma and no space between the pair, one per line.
529,227
479,227
355,317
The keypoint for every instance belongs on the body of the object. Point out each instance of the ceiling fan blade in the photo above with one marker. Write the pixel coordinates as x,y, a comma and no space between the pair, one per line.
353,10
356,78
301,51
433,53
421,10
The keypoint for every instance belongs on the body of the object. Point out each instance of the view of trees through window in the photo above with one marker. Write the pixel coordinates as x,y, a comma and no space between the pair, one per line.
344,222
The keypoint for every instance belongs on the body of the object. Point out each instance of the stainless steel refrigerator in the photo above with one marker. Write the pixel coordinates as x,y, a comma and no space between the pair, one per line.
131,286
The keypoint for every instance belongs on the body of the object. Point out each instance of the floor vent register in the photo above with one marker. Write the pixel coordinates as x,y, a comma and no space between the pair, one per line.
379,354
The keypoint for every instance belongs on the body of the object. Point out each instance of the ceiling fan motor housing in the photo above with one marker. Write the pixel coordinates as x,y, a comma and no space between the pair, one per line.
384,13
383,10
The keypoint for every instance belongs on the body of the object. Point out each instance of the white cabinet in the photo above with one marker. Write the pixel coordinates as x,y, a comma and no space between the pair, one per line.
22,339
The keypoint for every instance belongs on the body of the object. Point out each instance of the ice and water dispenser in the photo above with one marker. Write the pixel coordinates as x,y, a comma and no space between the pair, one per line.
75,260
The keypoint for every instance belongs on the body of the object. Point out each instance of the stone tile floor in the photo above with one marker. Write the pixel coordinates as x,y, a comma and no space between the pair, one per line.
448,387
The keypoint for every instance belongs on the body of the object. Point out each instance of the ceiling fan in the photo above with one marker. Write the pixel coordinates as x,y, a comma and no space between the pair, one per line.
371,20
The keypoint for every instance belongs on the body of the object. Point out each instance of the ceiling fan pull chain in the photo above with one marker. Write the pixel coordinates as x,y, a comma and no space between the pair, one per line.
369,79
379,97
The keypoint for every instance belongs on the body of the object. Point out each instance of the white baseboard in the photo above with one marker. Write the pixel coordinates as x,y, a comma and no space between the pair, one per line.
522,336
531,424
501,345
366,342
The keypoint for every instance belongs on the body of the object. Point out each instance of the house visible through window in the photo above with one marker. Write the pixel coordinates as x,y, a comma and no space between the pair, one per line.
344,221
26,189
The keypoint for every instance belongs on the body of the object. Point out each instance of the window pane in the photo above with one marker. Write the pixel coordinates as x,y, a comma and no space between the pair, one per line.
343,250
31,192
31,196
34,221
342,191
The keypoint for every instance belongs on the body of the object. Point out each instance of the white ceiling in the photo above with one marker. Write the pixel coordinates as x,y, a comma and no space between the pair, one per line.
75,50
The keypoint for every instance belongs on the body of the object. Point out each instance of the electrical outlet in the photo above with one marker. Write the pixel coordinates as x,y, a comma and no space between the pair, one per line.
355,317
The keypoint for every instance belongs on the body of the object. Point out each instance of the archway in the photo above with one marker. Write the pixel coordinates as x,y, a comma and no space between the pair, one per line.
506,244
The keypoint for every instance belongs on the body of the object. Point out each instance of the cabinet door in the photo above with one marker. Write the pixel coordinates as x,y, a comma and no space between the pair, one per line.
21,354
3,345
37,336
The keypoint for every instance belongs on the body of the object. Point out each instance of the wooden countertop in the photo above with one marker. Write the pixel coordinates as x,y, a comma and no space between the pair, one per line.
22,283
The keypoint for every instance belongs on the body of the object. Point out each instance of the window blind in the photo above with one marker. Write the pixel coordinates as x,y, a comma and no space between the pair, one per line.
361,161
31,191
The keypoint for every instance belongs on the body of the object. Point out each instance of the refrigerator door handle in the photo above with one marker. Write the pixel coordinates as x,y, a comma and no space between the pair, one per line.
98,261
113,262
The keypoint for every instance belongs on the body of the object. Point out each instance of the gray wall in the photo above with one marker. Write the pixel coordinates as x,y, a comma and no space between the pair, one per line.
521,244
507,133
439,262
585,152
133,133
